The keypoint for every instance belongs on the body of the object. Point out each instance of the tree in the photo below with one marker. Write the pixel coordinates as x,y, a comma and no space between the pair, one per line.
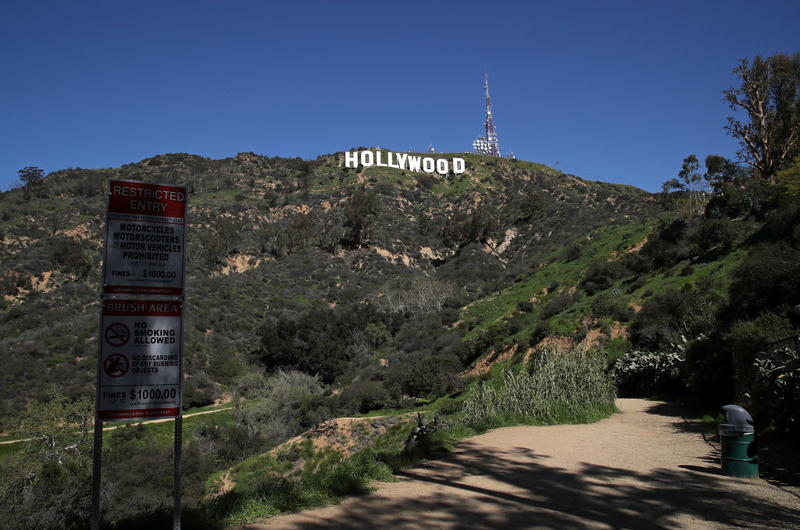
770,96
47,484
689,180
690,177
721,171
31,175
789,178
358,214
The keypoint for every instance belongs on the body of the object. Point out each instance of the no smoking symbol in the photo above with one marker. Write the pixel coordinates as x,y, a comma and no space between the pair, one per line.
116,365
117,334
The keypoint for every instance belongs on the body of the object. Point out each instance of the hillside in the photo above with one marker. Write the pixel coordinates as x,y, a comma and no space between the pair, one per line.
273,241
317,291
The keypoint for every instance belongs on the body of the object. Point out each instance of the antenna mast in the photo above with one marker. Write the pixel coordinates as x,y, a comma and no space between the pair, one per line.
487,144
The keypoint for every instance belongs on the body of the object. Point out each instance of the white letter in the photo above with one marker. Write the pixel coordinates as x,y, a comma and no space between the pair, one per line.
364,158
378,159
441,166
413,163
351,159
458,166
390,161
427,165
401,160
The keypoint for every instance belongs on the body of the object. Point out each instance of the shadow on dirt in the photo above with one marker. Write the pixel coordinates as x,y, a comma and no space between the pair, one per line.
779,461
536,495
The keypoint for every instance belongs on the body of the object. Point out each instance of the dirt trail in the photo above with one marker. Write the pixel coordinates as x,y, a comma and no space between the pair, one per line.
118,425
642,468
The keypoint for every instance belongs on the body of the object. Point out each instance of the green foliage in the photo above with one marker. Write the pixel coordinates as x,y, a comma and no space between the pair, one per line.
645,374
268,493
768,278
605,305
571,384
602,274
789,180
667,319
559,304
272,406
358,215
748,337
778,387
47,483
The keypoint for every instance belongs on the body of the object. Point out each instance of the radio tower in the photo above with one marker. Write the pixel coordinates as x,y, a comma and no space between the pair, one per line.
487,144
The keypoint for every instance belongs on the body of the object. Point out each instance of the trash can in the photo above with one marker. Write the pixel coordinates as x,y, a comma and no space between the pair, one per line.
737,436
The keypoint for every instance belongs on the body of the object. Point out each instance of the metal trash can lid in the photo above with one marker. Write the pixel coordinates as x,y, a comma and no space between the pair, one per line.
738,420
731,429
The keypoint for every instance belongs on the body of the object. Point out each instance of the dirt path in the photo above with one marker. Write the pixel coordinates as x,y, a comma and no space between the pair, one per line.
117,425
642,468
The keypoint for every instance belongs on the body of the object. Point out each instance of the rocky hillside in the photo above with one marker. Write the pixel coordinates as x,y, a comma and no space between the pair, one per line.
378,261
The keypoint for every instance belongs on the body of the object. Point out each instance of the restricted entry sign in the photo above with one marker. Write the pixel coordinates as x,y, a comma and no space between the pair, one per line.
141,359
145,239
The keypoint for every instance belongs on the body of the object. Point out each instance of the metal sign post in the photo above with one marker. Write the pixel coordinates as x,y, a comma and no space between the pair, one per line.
140,359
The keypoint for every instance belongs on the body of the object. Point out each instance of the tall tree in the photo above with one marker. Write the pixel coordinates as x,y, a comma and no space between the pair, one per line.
721,171
770,96
31,175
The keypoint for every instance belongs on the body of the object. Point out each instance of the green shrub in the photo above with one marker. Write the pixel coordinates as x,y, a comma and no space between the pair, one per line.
768,277
565,386
778,387
748,337
602,274
559,304
642,373
525,306
607,306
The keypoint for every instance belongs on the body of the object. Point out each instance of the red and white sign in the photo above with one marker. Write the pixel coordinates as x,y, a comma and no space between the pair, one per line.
145,239
140,368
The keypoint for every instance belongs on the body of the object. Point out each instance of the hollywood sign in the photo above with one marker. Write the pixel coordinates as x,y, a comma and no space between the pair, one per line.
427,164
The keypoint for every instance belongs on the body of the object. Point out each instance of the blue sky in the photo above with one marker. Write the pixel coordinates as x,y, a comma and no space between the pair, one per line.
612,91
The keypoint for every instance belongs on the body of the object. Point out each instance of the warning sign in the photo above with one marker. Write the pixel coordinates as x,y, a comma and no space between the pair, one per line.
115,365
141,359
145,239
117,334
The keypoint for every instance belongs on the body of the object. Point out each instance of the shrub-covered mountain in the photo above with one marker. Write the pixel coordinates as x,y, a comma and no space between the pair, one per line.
389,286
337,272
316,291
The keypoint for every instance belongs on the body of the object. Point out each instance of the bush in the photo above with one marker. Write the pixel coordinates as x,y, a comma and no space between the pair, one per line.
746,338
667,318
602,274
722,232
605,306
559,304
274,404
778,386
47,484
364,396
525,306
567,386
768,277
641,374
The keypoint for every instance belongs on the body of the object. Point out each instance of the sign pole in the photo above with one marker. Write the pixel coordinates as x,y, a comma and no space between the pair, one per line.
176,492
97,451
140,358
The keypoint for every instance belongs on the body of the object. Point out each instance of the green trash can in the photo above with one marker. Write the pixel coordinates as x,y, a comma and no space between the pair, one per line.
737,437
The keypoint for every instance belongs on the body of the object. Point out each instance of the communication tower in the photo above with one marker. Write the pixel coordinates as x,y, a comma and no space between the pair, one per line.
487,144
